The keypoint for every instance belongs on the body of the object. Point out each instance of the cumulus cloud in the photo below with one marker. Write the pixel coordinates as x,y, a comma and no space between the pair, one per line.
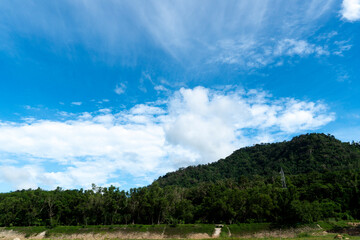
350,10
213,124
20,177
193,126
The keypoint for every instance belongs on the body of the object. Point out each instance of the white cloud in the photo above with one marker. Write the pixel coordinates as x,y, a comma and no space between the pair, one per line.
161,88
342,46
197,125
20,177
185,29
27,107
120,88
252,54
350,10
142,109
240,33
103,101
213,124
76,103
293,47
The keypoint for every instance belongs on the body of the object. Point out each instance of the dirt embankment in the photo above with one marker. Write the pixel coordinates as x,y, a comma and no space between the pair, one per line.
353,229
288,233
12,235
349,231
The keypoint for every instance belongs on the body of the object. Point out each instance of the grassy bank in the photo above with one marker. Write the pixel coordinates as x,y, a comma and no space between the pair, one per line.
247,228
233,231
181,230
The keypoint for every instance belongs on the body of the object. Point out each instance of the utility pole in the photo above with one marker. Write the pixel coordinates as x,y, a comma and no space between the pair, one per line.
283,181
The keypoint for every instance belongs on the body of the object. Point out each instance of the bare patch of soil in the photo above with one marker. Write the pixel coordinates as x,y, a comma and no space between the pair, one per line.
352,231
10,235
216,233
198,236
288,233
354,224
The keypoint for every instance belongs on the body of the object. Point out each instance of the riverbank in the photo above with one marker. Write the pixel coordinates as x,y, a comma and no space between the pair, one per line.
320,230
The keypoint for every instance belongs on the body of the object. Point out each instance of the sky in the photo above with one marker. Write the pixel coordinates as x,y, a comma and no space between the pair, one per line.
122,92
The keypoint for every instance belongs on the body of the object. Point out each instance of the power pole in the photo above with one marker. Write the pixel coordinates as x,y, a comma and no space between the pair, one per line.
283,181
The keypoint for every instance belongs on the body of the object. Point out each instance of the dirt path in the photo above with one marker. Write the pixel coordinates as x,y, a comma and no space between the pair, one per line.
163,232
228,231
216,233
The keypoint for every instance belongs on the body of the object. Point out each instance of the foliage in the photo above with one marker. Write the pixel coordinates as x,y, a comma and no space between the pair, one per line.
245,228
322,176
303,154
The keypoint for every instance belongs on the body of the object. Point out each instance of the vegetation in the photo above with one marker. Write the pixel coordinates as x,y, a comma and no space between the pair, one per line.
246,228
240,230
303,154
321,174
181,230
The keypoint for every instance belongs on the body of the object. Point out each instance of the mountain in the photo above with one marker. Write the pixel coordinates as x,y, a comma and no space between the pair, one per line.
303,154
322,176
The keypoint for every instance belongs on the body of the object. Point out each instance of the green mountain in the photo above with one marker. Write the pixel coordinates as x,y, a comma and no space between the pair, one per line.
322,177
303,154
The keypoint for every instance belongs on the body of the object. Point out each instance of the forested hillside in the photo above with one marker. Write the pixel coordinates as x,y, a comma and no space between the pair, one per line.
303,154
322,177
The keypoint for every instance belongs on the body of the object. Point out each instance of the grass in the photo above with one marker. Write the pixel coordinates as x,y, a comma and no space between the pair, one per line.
246,228
224,232
183,230
135,228
67,230
328,237
332,224
28,231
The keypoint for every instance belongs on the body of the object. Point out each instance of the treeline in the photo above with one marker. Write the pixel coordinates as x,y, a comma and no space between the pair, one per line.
307,198
322,175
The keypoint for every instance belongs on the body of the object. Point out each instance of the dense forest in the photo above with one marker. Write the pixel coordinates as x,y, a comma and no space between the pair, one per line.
321,175
303,154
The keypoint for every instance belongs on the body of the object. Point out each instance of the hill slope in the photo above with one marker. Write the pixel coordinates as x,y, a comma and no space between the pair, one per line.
303,154
322,177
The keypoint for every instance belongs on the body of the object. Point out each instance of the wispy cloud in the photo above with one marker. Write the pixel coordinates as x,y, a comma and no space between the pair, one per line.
252,54
186,30
77,103
342,46
120,88
350,10
291,47
193,126
181,29
161,88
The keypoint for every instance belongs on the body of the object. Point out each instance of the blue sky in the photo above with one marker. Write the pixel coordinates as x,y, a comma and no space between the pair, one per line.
121,92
